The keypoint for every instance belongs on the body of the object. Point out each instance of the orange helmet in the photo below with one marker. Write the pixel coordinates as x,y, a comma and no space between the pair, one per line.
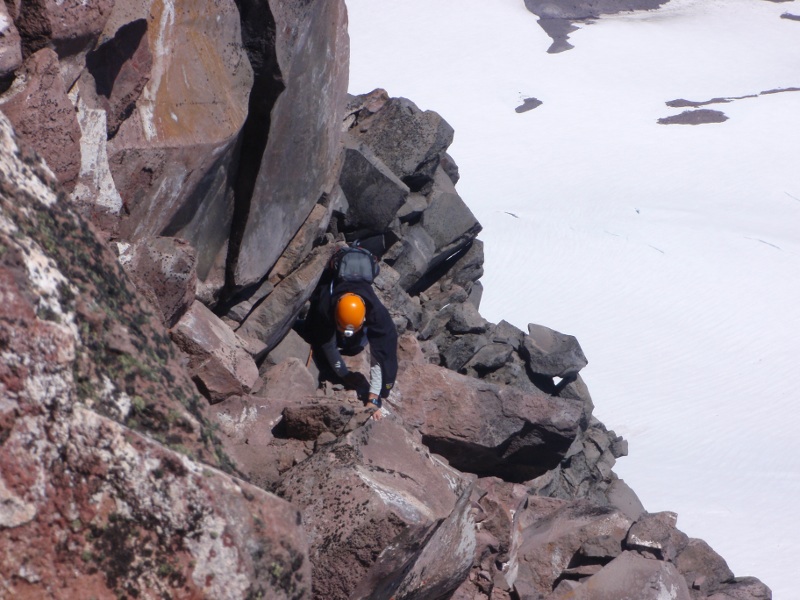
350,313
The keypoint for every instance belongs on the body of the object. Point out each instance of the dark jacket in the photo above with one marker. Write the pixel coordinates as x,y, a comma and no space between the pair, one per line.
380,330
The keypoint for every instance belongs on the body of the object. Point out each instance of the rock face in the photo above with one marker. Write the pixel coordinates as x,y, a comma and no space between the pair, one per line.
88,505
299,162
215,149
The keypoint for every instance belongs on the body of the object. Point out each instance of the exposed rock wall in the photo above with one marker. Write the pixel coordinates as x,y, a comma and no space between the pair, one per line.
216,149
103,490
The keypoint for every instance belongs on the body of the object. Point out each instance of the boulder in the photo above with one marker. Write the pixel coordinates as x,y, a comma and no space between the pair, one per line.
163,270
374,194
376,489
408,141
630,576
245,424
432,570
300,161
43,116
482,428
70,27
171,155
405,310
291,346
623,498
548,352
742,588
274,316
10,44
656,535
218,361
363,106
448,220
132,517
549,536
703,569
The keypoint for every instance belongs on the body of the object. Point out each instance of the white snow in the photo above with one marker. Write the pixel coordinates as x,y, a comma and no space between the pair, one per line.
670,251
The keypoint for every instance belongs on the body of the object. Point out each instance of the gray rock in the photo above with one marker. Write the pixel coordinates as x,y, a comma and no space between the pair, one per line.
448,220
548,352
374,194
299,163
466,319
489,358
414,260
505,333
409,141
621,496
458,352
271,320
742,588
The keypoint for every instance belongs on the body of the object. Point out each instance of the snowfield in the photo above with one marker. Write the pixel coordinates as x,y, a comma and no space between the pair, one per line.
670,251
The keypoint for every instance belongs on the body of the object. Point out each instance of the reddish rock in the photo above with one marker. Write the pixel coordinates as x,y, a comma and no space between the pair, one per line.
483,428
43,116
703,569
123,365
245,424
656,535
269,322
68,26
374,489
163,270
170,158
218,361
118,71
88,506
301,244
549,536
10,48
631,576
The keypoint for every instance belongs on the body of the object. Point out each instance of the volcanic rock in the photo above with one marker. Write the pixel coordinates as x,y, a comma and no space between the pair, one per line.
163,270
409,141
43,116
218,359
300,161
10,44
375,488
482,428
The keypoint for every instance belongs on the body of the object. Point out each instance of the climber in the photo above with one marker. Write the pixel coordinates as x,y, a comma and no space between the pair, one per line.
345,317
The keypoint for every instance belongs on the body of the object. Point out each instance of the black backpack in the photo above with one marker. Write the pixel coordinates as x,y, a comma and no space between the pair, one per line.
354,263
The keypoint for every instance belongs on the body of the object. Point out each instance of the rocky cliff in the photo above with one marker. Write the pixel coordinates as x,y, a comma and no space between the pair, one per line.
174,177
